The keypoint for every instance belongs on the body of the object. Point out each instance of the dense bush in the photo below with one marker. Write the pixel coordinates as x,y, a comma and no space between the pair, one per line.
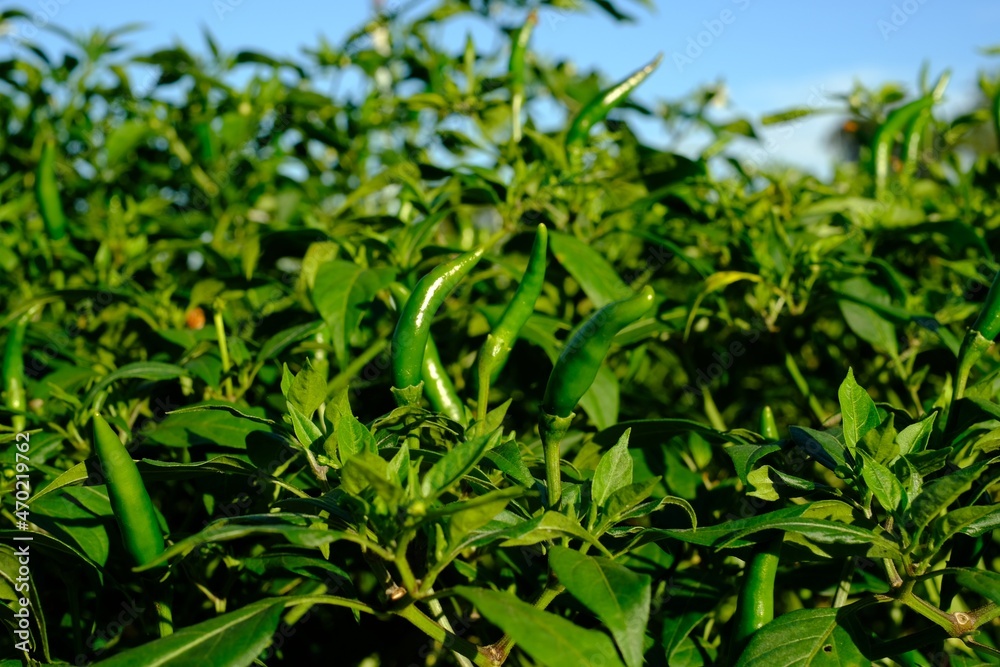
210,252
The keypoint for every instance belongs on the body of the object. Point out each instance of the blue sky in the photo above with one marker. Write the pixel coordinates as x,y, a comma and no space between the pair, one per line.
771,55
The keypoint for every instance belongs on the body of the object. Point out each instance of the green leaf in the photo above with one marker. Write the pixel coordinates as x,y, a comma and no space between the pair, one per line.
142,370
597,278
820,445
308,390
861,312
235,638
547,638
493,421
305,430
914,437
618,596
548,527
613,472
625,498
207,424
353,437
803,638
456,463
281,340
973,521
364,470
296,529
984,582
858,409
507,457
340,290
881,482
471,515
941,493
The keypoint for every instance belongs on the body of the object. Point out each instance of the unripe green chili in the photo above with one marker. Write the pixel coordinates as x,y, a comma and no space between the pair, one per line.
768,427
13,372
130,502
597,109
518,50
755,605
47,192
979,338
495,350
574,372
988,322
437,385
581,359
414,325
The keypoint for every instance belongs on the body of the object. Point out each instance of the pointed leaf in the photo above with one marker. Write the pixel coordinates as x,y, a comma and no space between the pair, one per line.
618,596
547,638
858,409
613,472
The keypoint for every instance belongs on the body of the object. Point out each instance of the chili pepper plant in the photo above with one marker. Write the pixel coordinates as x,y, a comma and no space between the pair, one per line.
412,377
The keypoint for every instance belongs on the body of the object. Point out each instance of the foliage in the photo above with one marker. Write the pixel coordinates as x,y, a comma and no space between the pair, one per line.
210,250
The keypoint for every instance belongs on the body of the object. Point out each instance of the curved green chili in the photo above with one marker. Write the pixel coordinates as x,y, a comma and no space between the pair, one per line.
596,110
13,372
495,350
755,605
414,325
885,137
768,427
130,502
437,385
518,50
574,372
979,337
988,322
47,192
581,359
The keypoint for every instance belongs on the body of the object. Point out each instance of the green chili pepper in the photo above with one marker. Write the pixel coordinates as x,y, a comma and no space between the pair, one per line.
495,350
574,372
583,355
436,384
755,605
768,427
979,338
130,502
988,322
47,192
518,50
885,137
13,372
596,110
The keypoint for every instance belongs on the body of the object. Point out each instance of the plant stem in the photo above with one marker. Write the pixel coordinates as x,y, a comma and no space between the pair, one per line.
844,587
449,640
405,572
163,597
434,605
